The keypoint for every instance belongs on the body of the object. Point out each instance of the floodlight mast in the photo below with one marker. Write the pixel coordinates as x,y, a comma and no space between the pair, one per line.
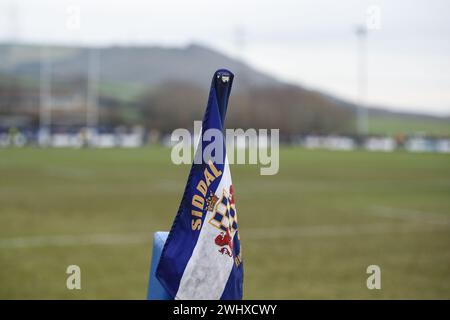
45,100
362,81
92,113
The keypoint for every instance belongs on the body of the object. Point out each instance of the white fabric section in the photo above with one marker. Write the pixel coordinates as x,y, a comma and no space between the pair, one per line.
207,271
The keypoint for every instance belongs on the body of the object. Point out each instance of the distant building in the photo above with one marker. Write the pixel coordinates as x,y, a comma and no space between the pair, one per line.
385,144
329,142
422,144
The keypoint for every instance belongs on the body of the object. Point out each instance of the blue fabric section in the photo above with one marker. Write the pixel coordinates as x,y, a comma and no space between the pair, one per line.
155,290
182,239
233,289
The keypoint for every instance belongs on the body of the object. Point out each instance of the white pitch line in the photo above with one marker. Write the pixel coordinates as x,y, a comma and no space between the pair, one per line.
75,240
332,231
248,234
412,215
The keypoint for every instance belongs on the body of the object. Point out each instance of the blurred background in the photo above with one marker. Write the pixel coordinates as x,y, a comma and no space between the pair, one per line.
90,92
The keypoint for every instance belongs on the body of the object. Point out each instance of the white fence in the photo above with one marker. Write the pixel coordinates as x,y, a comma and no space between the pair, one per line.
90,138
380,144
136,139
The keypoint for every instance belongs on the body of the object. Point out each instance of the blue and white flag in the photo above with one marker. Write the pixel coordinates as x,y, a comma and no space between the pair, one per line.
202,256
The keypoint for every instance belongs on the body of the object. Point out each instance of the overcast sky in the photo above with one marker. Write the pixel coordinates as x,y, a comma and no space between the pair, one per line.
311,43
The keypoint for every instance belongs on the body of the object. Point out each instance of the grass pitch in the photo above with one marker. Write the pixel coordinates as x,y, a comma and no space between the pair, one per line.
308,232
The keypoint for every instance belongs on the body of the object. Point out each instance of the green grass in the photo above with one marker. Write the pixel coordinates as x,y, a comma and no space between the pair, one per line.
391,125
308,232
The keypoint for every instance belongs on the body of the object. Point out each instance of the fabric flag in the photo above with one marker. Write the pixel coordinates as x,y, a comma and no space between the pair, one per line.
201,258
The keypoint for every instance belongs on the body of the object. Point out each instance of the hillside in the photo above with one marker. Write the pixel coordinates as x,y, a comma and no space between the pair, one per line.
156,85
138,66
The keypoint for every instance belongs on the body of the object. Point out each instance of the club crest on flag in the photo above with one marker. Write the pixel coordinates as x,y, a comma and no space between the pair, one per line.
224,218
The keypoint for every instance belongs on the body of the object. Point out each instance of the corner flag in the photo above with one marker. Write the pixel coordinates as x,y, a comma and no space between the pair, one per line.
201,258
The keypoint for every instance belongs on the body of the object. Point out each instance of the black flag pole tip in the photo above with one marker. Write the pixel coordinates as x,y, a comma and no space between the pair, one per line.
224,75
